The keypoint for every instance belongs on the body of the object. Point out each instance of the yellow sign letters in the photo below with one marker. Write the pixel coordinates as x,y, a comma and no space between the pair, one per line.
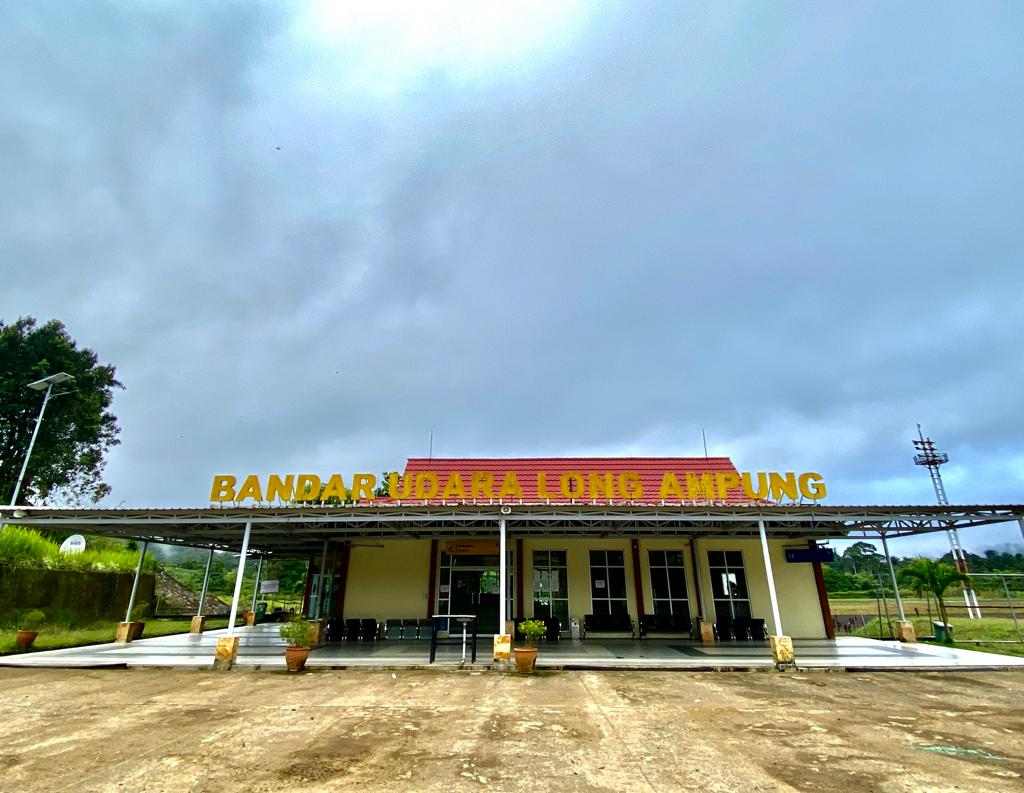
487,486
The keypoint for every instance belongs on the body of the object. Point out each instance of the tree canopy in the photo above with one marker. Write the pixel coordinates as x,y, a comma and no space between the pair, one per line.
927,575
78,428
861,557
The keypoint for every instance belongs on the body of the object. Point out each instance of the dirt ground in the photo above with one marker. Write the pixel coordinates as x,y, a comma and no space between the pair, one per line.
156,730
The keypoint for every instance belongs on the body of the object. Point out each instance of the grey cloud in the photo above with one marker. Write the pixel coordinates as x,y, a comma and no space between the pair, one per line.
795,227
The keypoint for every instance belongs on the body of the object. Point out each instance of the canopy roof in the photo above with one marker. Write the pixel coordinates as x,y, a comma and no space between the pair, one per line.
301,530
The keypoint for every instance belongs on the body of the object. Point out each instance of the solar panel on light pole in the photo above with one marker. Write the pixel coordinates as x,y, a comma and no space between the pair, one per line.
46,383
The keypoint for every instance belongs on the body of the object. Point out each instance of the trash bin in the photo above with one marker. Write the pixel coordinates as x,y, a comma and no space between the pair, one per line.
261,611
574,629
943,631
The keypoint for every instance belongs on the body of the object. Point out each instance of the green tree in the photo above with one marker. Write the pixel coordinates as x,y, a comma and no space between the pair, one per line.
838,581
927,575
78,429
862,557
381,490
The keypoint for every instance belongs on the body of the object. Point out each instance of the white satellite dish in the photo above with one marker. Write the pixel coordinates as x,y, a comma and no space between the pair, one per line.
73,544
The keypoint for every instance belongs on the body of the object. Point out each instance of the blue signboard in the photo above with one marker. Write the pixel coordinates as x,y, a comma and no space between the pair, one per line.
810,555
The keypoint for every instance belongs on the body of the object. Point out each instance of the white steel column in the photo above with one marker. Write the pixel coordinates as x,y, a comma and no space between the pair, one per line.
323,578
135,582
206,585
238,579
256,586
892,572
502,575
709,614
771,579
1020,522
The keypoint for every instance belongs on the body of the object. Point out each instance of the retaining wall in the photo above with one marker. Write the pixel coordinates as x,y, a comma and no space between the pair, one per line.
70,594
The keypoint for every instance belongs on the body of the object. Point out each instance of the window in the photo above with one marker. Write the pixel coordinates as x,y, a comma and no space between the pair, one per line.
728,584
668,583
551,586
608,582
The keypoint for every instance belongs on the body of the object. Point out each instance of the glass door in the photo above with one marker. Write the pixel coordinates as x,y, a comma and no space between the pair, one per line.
476,592
469,584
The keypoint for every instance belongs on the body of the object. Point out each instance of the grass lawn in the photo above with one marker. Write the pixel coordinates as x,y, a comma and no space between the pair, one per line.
1002,649
965,630
56,637
848,607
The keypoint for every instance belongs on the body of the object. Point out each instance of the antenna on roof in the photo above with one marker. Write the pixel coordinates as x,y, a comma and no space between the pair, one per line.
430,454
705,439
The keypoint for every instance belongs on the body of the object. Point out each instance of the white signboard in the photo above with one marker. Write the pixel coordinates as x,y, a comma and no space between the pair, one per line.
269,586
73,544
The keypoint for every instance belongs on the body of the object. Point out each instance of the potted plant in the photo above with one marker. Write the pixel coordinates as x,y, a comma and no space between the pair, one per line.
526,657
138,616
299,636
30,624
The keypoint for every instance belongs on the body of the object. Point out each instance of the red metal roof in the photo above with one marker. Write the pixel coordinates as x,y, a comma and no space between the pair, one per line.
650,472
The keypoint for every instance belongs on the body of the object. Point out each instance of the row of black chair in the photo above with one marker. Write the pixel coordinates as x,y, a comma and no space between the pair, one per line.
407,630
665,623
740,629
352,630
370,630
608,623
726,628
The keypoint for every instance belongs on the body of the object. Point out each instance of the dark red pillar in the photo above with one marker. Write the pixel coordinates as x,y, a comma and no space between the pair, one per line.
819,580
308,589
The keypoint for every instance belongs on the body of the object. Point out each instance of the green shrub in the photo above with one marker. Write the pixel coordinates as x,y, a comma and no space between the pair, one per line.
21,547
65,619
32,620
298,632
532,631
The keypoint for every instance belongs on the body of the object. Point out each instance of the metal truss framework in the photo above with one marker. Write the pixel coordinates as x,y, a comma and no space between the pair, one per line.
301,531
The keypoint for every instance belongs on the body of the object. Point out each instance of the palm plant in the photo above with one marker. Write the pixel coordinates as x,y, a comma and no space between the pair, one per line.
927,575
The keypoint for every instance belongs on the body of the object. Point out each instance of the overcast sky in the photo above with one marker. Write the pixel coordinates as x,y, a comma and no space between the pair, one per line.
307,237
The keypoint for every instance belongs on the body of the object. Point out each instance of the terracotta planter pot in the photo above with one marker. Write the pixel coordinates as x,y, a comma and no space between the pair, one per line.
295,658
24,639
526,657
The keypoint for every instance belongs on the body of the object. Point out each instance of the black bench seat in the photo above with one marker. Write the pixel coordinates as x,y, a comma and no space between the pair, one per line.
679,624
608,623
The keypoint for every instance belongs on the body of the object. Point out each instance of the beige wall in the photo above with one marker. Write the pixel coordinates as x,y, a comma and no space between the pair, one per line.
389,582
392,582
794,583
799,607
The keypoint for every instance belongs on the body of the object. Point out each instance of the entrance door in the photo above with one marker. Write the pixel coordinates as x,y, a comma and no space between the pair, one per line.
476,592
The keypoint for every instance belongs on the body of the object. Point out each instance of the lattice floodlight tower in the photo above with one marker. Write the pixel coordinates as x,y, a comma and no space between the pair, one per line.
931,458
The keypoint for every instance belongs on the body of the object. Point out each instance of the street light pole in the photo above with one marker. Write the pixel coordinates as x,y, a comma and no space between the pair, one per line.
48,383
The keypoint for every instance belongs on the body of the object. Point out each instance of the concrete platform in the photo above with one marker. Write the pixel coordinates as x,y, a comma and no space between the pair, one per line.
261,647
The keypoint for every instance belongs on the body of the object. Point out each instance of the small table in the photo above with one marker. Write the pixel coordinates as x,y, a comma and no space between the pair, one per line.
465,620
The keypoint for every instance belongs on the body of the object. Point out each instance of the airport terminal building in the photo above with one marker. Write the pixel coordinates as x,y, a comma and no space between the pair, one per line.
627,547
587,542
